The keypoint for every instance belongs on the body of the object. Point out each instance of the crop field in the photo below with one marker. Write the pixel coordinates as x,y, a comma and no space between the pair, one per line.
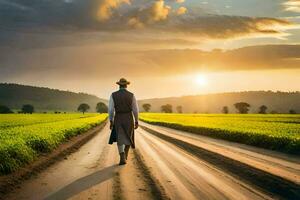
276,132
23,137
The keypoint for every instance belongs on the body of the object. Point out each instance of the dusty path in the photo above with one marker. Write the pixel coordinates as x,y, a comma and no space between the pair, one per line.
167,171
283,165
90,173
186,177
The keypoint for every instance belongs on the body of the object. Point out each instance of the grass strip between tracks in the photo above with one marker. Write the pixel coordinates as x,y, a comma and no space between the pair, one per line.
273,184
117,189
156,189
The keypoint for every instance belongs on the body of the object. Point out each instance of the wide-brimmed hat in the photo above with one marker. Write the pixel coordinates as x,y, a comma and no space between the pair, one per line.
123,81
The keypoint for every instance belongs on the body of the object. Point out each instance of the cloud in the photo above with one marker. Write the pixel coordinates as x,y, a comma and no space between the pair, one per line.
107,6
292,5
15,5
94,63
227,27
247,58
182,10
135,22
152,12
159,11
155,12
150,19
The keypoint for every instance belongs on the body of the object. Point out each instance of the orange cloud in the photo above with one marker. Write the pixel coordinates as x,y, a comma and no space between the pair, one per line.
181,11
246,58
106,6
159,11
230,27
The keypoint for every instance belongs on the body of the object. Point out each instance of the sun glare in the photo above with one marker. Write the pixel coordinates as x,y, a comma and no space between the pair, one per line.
201,80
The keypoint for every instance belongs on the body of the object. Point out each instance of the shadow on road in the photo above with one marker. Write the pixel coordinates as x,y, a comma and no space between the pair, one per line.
84,183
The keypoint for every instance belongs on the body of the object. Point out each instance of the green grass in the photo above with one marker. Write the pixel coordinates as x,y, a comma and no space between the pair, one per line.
13,120
276,132
23,137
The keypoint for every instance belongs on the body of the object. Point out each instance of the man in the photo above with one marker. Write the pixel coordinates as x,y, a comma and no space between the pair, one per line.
123,116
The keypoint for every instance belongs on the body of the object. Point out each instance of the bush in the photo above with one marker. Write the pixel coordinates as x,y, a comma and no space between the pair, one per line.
5,110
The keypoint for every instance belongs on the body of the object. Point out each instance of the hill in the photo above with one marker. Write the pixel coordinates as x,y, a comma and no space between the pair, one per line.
44,99
281,102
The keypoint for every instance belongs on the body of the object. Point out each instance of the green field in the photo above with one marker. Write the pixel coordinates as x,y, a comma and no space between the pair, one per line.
23,137
276,132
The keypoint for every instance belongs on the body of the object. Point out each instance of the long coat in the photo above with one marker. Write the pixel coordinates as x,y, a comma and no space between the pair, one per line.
123,129
129,133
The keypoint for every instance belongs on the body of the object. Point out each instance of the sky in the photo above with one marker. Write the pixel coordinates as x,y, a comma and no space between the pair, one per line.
164,47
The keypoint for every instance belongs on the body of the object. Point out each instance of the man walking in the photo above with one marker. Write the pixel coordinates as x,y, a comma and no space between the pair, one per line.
123,116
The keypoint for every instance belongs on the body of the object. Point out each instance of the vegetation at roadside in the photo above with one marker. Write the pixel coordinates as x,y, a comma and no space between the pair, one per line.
23,137
276,132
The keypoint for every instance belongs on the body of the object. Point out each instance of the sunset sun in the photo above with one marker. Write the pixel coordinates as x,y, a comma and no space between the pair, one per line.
201,80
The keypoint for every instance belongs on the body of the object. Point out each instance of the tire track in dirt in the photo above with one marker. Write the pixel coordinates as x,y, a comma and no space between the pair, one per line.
184,176
256,177
280,164
92,172
155,187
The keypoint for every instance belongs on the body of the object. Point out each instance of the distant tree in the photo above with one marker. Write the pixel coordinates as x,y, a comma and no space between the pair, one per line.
147,107
101,107
5,110
292,111
167,108
242,107
179,109
28,109
83,107
263,109
225,110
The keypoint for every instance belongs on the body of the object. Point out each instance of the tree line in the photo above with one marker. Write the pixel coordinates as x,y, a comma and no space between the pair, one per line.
29,109
241,107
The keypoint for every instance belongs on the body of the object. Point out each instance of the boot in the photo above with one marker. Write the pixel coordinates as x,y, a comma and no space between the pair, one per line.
127,147
122,159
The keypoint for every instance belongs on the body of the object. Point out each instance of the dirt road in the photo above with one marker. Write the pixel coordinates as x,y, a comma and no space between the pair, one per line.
158,169
90,173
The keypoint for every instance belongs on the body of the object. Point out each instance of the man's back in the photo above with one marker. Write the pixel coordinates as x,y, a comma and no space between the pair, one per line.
122,101
123,116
